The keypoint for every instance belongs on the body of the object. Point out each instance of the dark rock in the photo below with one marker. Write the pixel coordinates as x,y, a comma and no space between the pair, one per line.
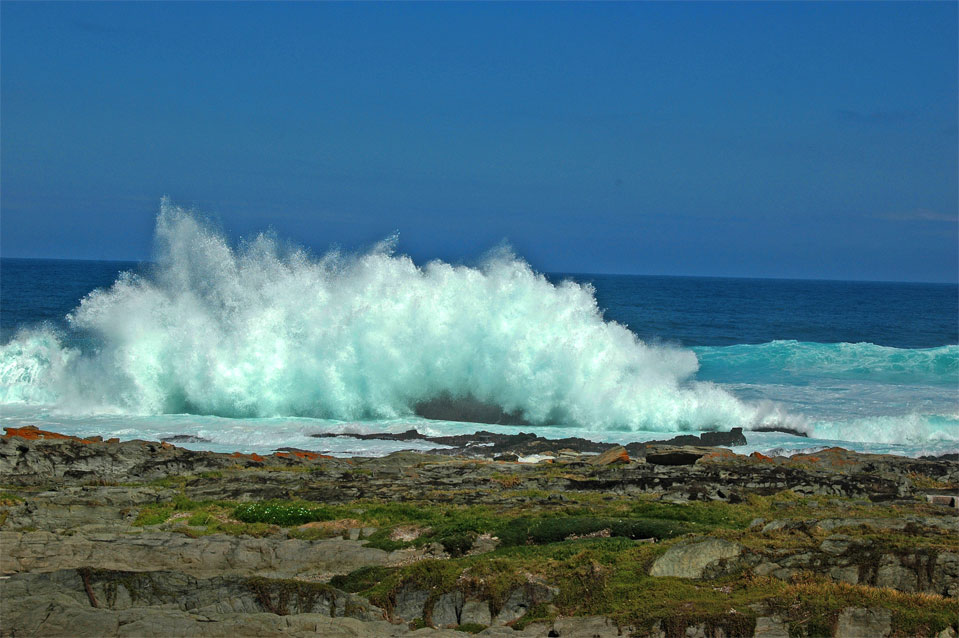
707,439
780,428
673,457
467,410
185,438
483,444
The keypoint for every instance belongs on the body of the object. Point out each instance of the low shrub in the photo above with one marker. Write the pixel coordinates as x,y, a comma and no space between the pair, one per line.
283,514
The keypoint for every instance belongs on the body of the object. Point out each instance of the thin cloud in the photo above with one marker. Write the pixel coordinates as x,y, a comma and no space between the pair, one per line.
920,215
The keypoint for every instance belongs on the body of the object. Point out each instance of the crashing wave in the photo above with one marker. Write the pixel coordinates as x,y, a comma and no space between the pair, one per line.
259,330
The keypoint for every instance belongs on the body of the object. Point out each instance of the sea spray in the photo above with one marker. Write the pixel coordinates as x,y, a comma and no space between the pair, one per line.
261,331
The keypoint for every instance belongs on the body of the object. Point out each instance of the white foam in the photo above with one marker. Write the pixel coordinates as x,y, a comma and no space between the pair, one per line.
259,331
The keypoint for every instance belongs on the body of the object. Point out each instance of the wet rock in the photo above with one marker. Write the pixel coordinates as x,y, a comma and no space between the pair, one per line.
727,439
467,410
697,559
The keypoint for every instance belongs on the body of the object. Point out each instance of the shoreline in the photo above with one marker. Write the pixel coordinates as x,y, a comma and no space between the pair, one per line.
662,539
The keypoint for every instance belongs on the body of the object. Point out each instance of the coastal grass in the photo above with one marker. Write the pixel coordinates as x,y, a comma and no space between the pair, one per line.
811,605
456,527
609,577
595,549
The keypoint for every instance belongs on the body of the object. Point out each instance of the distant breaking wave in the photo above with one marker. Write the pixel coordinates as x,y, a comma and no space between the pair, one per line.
791,360
259,331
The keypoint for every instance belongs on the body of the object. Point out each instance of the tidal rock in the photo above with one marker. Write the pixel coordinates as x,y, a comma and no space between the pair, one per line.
711,439
467,410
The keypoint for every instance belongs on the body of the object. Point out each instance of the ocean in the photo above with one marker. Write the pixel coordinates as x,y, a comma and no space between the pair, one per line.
256,346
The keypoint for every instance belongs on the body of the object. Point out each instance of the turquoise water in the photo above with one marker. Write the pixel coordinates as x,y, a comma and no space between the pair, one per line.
259,345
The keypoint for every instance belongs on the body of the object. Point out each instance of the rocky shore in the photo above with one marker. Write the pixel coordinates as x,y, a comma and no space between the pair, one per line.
498,535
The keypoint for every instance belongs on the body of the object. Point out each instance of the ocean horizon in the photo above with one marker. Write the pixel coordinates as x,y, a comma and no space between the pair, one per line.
255,347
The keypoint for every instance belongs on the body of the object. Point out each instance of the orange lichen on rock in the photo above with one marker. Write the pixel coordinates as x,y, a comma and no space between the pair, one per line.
302,454
256,458
612,456
33,433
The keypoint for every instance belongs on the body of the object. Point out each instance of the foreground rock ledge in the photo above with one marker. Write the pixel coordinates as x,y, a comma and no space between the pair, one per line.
138,538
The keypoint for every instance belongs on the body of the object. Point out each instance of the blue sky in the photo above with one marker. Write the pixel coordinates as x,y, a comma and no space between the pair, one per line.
770,140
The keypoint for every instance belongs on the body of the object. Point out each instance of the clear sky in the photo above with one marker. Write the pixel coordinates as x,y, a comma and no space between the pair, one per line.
809,140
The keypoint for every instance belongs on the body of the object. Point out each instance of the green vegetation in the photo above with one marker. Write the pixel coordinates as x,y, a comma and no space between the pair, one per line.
812,604
154,515
362,579
588,545
10,498
284,514
283,596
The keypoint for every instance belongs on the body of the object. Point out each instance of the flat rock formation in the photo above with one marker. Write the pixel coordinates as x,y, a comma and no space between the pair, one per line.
674,538
491,445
